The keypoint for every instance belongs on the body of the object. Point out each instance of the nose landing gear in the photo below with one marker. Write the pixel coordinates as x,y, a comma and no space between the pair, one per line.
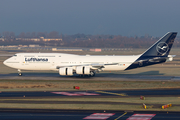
19,72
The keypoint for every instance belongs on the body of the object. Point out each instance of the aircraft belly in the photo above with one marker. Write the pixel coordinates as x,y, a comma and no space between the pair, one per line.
114,67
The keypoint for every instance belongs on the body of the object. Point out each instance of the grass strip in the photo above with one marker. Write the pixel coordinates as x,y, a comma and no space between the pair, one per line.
148,100
30,85
85,107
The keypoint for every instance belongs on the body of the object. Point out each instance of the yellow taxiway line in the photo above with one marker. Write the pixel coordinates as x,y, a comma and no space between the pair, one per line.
121,116
120,94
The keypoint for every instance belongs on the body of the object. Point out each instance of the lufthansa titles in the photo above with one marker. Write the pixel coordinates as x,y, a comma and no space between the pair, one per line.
36,59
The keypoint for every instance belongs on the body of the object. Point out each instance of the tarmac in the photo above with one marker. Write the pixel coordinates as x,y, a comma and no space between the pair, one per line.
48,114
120,93
102,76
24,114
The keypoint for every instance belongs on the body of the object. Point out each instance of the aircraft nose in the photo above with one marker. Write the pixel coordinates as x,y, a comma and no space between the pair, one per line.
5,63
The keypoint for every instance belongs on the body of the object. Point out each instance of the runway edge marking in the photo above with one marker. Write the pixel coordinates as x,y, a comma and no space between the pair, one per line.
99,116
75,93
141,117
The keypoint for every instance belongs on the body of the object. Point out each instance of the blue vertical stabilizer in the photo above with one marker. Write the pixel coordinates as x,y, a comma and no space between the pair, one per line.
157,53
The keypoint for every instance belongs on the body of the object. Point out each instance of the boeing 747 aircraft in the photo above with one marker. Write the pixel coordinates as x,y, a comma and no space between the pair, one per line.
69,64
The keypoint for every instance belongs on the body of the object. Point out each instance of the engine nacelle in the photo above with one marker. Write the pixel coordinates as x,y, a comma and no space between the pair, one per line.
65,71
69,71
83,70
87,70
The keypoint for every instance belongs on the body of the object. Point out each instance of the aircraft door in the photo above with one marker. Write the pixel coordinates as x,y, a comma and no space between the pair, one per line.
53,61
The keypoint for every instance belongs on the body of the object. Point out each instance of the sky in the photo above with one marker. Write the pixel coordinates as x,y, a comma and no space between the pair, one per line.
113,17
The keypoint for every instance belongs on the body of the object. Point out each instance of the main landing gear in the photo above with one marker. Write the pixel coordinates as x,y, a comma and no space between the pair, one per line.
92,74
19,72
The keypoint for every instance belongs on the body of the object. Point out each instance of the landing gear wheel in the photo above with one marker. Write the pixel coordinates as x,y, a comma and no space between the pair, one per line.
92,73
81,76
20,74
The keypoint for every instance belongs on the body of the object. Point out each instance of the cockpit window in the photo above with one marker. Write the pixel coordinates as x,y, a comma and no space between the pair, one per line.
14,55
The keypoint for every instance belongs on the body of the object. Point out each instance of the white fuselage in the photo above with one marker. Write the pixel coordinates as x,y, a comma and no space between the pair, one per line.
50,61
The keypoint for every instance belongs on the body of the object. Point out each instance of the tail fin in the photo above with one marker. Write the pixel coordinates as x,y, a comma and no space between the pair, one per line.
162,47
157,53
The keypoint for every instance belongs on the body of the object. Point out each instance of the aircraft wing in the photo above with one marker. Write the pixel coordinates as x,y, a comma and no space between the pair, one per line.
99,66
95,66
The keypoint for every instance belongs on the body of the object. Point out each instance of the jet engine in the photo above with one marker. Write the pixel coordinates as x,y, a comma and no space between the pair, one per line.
66,71
83,70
